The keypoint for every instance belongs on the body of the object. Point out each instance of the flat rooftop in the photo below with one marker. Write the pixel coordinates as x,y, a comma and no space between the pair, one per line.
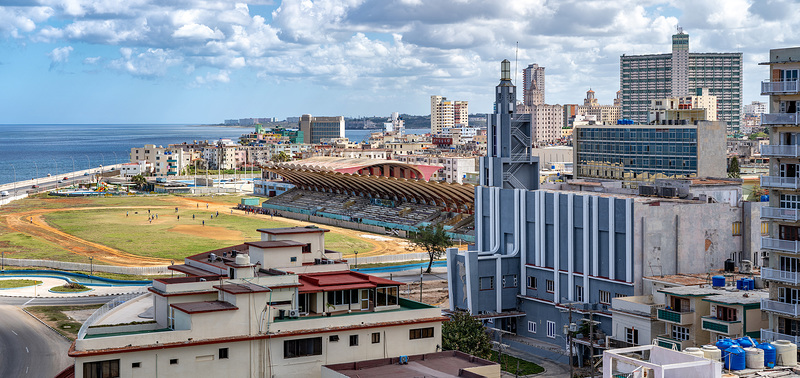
201,307
440,364
742,297
694,291
292,230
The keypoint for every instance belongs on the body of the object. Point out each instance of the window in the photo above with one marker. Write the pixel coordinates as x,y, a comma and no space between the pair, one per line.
376,337
223,353
531,327
532,282
618,295
333,338
789,232
353,340
509,280
579,293
737,228
302,347
420,333
551,329
605,297
550,286
293,259
727,314
680,333
632,336
486,283
307,248
173,361
764,228
101,369
136,365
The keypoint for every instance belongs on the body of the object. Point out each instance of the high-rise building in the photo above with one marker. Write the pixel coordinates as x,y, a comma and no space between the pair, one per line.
655,76
755,107
447,114
547,121
533,85
317,128
781,219
608,114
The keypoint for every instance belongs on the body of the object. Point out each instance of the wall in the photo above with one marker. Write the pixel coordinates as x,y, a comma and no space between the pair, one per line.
62,265
711,149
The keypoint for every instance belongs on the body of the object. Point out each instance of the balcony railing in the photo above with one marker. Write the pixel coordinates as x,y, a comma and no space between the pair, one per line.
780,275
668,342
774,87
780,307
675,316
770,335
779,119
781,150
792,215
779,182
721,326
780,245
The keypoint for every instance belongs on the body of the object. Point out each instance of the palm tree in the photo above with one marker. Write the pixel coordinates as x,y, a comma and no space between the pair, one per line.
139,180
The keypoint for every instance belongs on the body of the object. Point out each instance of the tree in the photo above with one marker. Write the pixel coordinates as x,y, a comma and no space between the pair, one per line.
466,334
139,180
733,168
758,135
431,239
281,157
756,193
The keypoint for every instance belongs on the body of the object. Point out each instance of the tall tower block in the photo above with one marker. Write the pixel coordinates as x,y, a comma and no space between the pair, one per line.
508,162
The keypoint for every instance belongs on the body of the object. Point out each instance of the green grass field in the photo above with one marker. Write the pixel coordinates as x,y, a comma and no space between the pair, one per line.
21,246
10,284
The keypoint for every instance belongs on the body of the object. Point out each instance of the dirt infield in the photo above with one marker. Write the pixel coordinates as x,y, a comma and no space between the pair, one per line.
211,232
31,223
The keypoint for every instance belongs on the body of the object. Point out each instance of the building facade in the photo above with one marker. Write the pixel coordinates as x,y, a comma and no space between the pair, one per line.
317,128
783,182
448,114
685,109
533,85
648,77
644,152
547,121
162,161
602,113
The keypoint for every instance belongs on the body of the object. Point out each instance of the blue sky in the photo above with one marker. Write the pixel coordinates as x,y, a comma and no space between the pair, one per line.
202,61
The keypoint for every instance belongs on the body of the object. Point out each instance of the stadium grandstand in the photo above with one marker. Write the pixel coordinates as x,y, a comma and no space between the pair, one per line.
364,167
367,196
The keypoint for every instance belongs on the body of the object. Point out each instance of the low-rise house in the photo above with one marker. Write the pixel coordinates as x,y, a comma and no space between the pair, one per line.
282,306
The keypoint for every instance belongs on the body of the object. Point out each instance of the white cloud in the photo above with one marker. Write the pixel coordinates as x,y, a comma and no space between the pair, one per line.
221,76
197,31
59,56
92,60
150,63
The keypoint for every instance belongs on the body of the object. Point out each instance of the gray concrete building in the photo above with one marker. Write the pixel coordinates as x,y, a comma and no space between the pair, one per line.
317,128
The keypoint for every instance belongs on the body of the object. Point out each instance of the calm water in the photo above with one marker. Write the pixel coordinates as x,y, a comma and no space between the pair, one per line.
55,149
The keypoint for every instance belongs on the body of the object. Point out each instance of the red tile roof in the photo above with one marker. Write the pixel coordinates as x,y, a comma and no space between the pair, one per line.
341,280
246,288
200,307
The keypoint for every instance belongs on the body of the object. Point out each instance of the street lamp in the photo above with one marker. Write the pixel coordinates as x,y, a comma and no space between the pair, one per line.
15,179
73,167
54,161
88,163
91,266
356,252
37,173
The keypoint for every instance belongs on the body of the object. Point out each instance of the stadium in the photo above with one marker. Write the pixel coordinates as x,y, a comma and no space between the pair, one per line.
383,196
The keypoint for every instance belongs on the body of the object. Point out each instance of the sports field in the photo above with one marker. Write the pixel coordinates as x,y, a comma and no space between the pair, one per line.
142,231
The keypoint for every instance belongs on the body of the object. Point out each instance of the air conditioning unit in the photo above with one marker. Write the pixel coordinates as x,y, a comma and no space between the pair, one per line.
294,313
669,192
647,190
746,266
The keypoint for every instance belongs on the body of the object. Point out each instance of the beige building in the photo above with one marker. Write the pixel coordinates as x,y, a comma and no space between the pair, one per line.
698,107
279,307
546,121
447,114
606,114
315,129
163,161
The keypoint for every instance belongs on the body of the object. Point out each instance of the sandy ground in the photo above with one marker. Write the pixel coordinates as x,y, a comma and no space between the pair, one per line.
433,293
33,224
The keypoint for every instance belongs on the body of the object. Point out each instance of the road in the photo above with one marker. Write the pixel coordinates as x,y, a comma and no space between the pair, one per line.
76,301
29,348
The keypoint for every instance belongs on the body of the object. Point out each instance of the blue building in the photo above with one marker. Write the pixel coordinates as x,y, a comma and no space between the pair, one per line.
543,256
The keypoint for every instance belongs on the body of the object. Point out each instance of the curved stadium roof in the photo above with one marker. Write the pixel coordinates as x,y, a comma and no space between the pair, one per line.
354,165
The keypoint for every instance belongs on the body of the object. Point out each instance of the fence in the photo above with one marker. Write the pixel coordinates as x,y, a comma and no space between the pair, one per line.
389,258
102,311
8,199
63,265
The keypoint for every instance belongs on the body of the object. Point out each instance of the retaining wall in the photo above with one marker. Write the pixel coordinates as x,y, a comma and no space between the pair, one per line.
63,265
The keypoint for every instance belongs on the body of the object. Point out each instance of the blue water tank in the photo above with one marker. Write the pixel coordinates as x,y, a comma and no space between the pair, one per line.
746,342
740,284
725,343
718,281
765,198
770,354
751,284
735,358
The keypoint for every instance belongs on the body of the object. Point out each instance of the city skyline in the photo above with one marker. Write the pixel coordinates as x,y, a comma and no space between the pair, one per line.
202,62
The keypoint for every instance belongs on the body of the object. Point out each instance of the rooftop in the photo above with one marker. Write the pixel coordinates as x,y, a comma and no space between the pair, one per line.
206,306
687,279
341,280
693,291
440,364
743,297
291,230
276,244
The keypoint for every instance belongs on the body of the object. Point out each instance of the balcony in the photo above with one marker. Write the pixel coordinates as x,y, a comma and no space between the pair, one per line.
768,335
675,316
778,119
779,87
792,215
780,245
780,275
670,343
779,182
780,151
780,307
713,324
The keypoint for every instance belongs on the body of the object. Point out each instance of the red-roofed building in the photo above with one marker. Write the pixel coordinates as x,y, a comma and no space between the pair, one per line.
281,306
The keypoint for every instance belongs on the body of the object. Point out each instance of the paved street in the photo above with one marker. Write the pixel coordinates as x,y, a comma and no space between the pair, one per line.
29,348
19,301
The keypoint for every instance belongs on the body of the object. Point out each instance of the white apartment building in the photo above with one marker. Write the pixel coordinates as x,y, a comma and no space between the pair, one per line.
546,121
454,169
164,161
447,114
602,113
279,307
141,167
697,107
225,156
755,107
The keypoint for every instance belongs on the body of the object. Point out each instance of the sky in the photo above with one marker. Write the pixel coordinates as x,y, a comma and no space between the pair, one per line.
203,61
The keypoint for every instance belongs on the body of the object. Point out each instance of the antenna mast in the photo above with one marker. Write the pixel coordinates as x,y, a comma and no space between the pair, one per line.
516,63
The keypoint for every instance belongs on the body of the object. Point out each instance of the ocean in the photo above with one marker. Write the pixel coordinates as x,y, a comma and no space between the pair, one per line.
56,149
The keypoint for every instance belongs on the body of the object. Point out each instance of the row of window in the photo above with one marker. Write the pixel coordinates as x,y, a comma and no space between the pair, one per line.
110,368
605,296
313,346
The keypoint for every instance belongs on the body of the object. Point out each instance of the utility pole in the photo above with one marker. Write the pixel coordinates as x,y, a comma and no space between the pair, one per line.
420,284
569,343
591,342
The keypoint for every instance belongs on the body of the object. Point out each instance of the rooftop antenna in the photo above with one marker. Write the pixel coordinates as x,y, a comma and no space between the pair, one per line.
680,29
516,63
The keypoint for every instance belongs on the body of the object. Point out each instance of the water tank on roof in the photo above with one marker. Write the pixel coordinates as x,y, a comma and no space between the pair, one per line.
746,342
735,358
712,353
754,358
718,281
770,354
242,259
725,343
786,353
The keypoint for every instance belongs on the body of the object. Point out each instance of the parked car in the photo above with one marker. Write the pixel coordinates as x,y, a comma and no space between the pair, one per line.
34,186
4,193
65,179
86,173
